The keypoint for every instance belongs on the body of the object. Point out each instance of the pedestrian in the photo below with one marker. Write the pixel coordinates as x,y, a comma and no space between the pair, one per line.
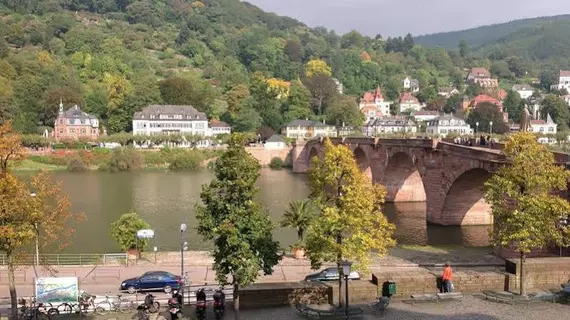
447,277
482,140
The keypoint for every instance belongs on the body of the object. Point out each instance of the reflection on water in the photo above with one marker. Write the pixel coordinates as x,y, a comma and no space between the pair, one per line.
412,228
167,199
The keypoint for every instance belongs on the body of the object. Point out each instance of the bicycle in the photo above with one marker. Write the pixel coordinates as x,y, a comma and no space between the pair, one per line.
85,301
121,305
33,311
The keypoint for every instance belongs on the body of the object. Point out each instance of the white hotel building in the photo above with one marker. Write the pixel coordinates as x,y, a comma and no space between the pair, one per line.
183,120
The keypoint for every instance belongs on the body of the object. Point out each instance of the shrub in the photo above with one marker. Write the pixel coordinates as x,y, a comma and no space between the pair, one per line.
124,231
187,161
276,163
76,165
123,159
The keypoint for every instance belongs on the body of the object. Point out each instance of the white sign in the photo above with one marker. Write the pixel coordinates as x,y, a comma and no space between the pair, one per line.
145,234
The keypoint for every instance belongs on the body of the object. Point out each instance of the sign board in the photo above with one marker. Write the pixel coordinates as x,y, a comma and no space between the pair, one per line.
57,290
145,234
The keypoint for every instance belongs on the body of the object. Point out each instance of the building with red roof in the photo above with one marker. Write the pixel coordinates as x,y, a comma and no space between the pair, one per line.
373,105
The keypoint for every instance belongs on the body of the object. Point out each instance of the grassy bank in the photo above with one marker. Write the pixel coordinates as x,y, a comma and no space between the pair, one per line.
120,159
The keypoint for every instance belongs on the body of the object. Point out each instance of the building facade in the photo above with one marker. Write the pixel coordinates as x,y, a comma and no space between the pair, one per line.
74,124
275,142
524,90
544,127
563,81
421,116
482,78
219,127
446,124
373,105
168,119
411,84
409,103
387,125
447,92
307,129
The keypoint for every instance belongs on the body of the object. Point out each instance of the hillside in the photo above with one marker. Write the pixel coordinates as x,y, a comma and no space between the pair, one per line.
229,59
488,34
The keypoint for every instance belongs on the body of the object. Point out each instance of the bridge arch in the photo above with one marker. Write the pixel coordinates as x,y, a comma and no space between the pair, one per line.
362,161
464,202
402,179
313,152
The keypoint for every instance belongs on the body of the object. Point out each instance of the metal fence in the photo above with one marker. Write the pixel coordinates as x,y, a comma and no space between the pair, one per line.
71,259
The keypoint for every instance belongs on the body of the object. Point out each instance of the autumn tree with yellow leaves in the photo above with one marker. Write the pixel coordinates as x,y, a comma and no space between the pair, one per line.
350,224
317,66
525,206
23,217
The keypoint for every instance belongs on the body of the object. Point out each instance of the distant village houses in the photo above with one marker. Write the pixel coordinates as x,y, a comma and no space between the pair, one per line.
525,91
447,92
307,129
411,84
409,103
563,81
482,78
373,105
393,124
446,124
74,124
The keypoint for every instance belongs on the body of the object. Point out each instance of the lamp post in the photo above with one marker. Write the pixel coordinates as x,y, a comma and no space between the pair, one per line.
346,272
33,195
476,126
183,228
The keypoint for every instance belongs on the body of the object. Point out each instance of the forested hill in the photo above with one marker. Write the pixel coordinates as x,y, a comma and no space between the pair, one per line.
227,58
491,34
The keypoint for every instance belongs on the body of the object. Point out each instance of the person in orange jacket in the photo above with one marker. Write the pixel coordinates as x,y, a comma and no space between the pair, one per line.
447,277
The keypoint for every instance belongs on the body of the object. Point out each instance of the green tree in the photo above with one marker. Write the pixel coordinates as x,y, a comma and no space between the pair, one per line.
557,108
322,88
513,105
484,113
124,231
463,48
344,110
350,205
525,207
299,215
297,105
232,217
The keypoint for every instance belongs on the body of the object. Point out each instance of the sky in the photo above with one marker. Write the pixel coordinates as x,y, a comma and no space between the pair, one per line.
399,17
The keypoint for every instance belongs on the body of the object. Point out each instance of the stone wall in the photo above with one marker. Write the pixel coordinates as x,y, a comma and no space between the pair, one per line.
267,295
264,156
359,291
541,273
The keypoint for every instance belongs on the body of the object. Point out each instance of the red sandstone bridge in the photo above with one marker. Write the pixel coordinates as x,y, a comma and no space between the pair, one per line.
448,177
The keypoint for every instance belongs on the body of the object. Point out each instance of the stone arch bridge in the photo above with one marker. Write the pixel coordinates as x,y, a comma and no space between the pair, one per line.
447,176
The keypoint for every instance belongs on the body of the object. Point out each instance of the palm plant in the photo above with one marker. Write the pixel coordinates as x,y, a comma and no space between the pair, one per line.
299,215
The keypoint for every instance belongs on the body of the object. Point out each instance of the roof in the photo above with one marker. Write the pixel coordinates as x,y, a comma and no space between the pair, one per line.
484,98
447,117
187,112
425,113
565,73
522,87
76,113
446,89
390,121
305,123
371,96
480,72
408,98
502,94
219,124
275,138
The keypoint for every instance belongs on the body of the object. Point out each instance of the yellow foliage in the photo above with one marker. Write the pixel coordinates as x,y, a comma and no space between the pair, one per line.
10,147
279,86
351,224
117,88
197,4
365,56
316,66
44,58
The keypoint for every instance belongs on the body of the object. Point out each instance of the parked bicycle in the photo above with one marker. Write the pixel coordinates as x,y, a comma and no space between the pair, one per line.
85,302
121,305
33,311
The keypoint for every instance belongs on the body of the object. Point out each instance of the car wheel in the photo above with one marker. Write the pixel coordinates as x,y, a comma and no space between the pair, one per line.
131,290
167,289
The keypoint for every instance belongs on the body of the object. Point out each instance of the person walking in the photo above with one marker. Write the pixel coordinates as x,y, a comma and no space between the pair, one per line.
447,277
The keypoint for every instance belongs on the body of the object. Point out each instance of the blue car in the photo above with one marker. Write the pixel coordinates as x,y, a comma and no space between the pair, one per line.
152,281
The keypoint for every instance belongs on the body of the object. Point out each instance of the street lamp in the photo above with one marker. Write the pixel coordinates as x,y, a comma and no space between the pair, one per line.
476,126
183,228
346,272
33,195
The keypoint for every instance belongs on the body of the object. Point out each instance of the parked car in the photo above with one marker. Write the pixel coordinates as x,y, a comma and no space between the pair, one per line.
152,281
330,274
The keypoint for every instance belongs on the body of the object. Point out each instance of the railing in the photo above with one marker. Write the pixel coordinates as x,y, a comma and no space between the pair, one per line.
71,259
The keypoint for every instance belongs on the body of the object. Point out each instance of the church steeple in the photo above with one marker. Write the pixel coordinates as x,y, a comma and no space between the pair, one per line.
60,105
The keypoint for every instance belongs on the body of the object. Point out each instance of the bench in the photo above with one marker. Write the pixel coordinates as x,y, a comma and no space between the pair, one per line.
107,273
449,296
338,313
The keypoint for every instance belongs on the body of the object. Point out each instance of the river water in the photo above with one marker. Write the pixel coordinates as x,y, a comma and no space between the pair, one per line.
166,199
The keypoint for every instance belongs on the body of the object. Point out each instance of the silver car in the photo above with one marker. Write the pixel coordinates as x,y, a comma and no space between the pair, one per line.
330,274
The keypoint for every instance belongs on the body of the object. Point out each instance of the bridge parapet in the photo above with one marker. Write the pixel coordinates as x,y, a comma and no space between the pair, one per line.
483,154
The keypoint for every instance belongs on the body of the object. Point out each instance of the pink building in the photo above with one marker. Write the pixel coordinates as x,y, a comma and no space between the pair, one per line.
75,124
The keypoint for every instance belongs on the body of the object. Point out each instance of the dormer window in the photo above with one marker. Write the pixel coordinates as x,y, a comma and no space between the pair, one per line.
152,116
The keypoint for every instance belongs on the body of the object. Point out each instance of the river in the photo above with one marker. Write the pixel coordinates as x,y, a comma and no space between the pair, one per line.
165,200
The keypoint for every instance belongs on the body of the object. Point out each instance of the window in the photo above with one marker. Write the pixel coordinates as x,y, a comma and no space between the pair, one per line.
83,131
60,121
551,129
152,116
71,130
541,129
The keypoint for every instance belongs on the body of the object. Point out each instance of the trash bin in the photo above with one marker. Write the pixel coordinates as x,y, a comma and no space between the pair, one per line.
388,288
